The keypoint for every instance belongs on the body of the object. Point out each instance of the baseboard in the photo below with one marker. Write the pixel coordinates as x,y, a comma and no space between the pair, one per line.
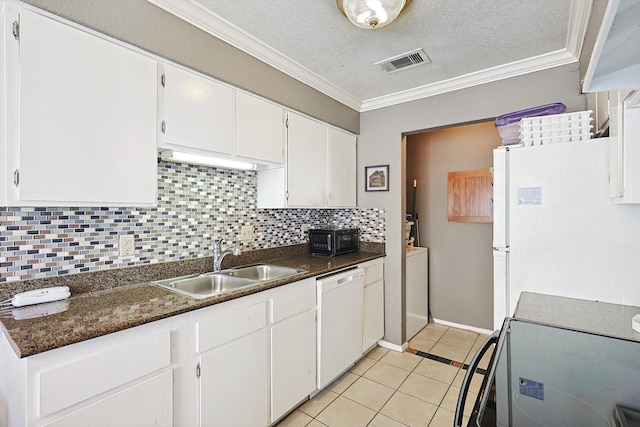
394,347
459,326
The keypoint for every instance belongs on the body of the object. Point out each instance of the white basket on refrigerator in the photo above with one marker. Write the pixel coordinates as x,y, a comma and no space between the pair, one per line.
556,128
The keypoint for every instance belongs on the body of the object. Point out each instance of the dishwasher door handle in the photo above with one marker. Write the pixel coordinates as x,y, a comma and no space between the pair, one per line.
345,280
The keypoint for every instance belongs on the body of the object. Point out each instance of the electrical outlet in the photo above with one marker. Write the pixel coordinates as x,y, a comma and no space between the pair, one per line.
304,230
127,245
246,233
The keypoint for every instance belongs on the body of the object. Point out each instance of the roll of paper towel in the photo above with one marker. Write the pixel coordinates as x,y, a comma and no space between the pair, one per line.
635,323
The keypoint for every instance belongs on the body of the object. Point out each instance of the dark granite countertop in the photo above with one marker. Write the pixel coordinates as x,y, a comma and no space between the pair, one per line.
91,314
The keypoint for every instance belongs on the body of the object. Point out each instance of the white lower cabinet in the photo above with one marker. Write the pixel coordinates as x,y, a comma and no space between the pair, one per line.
125,408
293,347
234,382
121,379
373,305
233,369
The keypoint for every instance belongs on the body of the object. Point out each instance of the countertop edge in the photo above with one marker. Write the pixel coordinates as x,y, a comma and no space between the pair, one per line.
20,333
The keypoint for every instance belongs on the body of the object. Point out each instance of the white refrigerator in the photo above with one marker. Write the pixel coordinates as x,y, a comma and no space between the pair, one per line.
556,229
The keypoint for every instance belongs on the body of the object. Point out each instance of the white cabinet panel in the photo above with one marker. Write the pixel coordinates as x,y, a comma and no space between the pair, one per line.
234,383
293,362
145,404
260,130
94,375
373,308
373,315
624,147
306,161
320,168
87,119
341,168
198,112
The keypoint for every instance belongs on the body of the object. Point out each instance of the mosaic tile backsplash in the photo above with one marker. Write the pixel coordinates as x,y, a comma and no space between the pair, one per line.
195,206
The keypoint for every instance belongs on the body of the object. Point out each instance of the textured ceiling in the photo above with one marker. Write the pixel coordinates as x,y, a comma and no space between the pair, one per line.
461,37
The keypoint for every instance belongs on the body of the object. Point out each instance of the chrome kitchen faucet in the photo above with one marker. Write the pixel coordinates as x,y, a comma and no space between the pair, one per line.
219,254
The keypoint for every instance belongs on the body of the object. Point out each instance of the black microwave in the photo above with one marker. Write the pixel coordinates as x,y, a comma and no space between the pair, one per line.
334,241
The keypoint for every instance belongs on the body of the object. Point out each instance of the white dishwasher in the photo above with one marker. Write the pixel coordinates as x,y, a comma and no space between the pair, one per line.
340,300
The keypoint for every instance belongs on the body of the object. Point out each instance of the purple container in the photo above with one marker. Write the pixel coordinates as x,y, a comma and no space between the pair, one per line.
507,124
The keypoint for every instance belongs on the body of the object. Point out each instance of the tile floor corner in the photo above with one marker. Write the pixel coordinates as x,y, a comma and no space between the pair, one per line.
389,389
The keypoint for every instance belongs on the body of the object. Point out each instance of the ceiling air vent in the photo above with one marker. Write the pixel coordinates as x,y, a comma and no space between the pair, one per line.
404,61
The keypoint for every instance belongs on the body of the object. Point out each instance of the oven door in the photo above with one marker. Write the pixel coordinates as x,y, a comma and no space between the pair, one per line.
484,412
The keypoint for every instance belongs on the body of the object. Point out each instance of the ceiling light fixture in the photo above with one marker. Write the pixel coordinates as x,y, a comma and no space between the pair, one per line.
197,159
371,14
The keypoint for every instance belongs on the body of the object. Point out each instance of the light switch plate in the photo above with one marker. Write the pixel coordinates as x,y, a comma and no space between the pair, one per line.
246,233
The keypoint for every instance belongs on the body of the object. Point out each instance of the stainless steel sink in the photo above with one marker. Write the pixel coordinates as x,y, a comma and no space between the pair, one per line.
204,286
212,284
262,272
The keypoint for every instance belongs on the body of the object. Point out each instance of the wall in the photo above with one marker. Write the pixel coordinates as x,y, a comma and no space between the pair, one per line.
195,206
150,28
460,255
380,142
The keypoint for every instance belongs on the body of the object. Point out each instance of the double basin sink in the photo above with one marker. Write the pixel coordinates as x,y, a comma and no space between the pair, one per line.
220,282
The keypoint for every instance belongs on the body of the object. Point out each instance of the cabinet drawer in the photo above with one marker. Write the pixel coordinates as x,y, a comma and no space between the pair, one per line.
373,274
217,330
293,301
65,385
148,403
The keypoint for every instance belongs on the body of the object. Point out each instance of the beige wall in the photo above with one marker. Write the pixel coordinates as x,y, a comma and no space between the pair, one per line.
150,28
460,256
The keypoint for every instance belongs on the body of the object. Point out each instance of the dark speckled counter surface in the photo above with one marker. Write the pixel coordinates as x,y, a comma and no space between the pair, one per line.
93,313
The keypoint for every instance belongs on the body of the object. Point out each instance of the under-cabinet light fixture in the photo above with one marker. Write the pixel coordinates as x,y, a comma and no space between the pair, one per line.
198,159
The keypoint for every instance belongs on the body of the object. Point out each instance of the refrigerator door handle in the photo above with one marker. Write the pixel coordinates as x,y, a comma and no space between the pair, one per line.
466,383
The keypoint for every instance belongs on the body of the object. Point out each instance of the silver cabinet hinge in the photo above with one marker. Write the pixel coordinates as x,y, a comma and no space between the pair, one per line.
163,80
16,30
16,177
164,127
198,372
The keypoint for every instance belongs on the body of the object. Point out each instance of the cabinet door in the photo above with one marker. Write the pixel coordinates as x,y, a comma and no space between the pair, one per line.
260,130
306,161
198,112
341,165
293,362
234,383
373,315
148,403
87,119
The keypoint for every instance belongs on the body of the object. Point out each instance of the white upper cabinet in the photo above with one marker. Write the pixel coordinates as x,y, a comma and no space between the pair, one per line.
320,168
196,114
624,147
615,62
80,117
260,130
306,161
341,168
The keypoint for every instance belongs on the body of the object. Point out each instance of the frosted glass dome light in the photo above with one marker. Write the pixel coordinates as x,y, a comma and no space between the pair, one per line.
371,14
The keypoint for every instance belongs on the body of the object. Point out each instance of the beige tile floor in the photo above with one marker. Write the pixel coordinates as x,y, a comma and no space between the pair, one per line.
390,389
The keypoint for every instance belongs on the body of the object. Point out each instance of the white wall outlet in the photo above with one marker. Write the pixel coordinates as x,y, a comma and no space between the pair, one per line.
246,233
304,230
127,244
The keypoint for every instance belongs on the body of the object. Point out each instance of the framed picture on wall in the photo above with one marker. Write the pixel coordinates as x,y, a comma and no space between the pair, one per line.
376,178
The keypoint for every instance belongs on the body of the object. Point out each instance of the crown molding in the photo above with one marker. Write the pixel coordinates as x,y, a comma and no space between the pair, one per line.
513,69
211,23
206,20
